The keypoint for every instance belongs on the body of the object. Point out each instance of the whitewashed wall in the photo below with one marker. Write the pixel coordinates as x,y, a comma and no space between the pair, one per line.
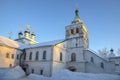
57,64
95,67
41,64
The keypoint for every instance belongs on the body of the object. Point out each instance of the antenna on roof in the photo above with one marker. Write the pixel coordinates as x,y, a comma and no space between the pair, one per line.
10,35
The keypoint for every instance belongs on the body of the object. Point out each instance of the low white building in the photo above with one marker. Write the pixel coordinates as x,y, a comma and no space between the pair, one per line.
71,53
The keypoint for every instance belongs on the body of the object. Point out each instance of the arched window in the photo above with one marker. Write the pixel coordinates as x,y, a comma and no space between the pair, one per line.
44,54
73,57
30,57
77,30
37,55
60,56
71,31
101,65
92,59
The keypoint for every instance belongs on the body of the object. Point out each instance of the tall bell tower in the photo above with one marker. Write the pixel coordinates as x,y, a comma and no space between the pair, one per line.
77,30
76,43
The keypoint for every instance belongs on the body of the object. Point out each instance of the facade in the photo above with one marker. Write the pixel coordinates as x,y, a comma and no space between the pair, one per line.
71,53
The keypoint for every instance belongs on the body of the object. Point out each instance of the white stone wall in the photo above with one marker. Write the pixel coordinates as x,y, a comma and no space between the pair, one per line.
17,60
95,66
116,61
38,66
57,64
41,64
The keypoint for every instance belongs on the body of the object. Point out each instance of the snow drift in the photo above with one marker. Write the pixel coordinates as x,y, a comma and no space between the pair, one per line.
18,74
68,75
14,73
37,77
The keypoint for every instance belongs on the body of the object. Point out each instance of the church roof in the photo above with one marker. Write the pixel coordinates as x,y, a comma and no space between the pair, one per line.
8,42
49,43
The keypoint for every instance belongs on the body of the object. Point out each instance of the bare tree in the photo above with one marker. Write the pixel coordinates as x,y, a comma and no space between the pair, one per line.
103,52
118,52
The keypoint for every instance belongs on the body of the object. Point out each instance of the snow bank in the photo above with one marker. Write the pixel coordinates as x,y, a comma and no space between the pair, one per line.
68,75
18,74
37,77
14,73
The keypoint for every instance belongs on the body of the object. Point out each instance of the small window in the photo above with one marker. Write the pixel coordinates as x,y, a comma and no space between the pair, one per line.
73,57
7,55
77,30
30,57
37,55
92,59
12,56
60,56
102,65
116,64
41,72
32,70
71,31
44,54
17,56
10,65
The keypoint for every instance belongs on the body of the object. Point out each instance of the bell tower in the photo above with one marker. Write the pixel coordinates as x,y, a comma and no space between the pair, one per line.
76,43
77,30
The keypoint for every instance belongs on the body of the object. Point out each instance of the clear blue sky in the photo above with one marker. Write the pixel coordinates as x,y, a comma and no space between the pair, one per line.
49,18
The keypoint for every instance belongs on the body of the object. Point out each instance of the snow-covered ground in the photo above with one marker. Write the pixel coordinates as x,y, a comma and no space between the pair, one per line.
18,74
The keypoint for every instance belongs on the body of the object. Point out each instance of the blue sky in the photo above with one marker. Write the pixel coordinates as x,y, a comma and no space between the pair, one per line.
49,18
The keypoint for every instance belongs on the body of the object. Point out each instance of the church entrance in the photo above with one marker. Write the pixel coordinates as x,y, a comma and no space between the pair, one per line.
72,68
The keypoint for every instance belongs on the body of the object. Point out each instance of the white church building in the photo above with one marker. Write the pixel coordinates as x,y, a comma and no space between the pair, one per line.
48,58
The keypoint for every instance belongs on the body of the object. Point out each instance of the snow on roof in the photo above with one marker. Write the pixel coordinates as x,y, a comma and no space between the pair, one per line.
8,42
49,43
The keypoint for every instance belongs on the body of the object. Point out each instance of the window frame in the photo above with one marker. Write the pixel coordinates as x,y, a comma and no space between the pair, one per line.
61,56
73,57
30,56
44,54
37,55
